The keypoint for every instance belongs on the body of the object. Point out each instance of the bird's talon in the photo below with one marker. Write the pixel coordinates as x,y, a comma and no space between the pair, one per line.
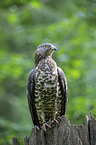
55,120
52,121
37,127
44,126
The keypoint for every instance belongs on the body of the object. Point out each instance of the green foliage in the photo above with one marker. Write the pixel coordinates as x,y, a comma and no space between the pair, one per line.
71,27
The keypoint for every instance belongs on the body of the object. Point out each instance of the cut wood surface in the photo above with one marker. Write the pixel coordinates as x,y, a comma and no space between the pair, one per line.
63,133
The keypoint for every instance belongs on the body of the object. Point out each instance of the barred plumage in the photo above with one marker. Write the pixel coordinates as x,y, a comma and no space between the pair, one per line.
46,87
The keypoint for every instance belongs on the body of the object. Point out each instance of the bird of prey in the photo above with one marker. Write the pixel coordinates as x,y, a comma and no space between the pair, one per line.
47,90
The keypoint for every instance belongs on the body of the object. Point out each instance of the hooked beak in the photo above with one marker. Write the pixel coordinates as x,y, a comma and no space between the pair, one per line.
54,48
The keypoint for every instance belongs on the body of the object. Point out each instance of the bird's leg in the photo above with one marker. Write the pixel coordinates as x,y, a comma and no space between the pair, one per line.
44,126
55,120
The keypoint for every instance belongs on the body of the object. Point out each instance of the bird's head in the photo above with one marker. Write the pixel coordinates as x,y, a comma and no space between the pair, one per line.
43,51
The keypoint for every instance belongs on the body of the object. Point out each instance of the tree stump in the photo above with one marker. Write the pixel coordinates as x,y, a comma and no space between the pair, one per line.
63,133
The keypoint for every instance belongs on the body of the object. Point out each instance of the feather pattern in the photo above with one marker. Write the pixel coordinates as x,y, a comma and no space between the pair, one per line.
47,90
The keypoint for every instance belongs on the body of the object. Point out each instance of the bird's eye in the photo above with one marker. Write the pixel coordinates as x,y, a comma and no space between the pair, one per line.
45,46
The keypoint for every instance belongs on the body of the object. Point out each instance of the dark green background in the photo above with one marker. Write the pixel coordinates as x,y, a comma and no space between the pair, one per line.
68,24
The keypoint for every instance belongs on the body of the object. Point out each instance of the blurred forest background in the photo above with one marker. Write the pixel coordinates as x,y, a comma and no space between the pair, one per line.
68,24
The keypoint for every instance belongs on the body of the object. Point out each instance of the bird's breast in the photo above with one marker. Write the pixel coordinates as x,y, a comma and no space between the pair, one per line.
46,78
46,88
46,70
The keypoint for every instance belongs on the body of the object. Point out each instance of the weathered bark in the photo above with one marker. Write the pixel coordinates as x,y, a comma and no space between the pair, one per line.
92,129
15,141
64,133
26,140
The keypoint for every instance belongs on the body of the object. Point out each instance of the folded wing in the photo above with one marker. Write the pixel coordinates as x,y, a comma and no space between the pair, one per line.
31,96
64,90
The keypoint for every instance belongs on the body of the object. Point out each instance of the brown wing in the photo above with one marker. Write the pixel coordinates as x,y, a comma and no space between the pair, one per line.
31,97
64,90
